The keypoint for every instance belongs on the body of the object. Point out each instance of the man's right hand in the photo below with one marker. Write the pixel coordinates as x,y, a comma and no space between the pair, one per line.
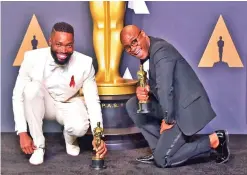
26,143
142,93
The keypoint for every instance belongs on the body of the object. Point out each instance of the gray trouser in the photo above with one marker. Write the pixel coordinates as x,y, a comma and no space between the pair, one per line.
172,147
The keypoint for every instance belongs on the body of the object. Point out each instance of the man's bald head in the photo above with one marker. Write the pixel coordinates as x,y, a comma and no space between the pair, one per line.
135,41
130,30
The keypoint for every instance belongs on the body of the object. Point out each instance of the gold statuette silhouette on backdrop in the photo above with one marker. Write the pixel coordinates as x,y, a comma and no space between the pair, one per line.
33,39
108,21
220,48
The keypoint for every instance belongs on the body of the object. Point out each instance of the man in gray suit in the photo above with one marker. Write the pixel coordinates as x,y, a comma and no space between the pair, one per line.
180,104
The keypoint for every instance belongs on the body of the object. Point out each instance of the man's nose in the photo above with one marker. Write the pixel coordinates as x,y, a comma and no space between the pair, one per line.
132,48
63,49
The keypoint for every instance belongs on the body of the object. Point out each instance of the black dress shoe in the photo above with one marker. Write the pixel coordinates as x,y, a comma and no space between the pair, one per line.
146,159
223,152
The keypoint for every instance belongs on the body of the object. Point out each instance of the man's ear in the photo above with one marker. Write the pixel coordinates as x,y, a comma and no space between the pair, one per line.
143,33
50,42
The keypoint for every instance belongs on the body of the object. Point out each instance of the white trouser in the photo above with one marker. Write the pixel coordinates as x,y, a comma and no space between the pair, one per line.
40,105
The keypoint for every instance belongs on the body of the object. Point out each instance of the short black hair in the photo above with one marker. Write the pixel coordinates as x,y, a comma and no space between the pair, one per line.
63,27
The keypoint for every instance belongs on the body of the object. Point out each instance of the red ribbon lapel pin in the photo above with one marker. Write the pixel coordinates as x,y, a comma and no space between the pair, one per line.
72,82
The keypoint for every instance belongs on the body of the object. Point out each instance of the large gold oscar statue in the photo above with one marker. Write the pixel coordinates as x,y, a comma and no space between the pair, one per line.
114,91
108,21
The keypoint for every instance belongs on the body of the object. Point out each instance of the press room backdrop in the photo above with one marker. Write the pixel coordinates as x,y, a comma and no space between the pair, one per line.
187,25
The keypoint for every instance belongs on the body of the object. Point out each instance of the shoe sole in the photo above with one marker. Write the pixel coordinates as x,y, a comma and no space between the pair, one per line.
74,155
227,138
36,164
145,162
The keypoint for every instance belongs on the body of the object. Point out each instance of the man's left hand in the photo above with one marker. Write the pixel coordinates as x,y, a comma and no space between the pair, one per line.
101,150
164,126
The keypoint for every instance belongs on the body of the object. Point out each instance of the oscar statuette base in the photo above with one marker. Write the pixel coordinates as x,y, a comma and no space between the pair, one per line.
144,108
98,164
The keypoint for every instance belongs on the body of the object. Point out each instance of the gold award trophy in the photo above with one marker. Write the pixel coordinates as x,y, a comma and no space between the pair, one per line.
97,162
144,106
108,21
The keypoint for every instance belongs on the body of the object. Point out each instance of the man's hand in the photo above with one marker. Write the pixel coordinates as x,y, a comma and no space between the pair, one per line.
142,93
26,143
165,126
101,150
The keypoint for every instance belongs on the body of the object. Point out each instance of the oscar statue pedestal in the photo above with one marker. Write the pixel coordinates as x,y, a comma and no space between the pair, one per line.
120,133
119,130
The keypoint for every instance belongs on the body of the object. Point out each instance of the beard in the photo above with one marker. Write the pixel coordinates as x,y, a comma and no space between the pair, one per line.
61,62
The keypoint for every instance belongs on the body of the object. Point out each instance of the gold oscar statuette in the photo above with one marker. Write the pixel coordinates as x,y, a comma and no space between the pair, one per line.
108,21
144,106
97,162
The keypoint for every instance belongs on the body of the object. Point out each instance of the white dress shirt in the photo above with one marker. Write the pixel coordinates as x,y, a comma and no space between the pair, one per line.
146,67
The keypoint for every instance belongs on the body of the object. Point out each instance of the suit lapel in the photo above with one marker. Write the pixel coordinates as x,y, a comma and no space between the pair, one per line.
152,74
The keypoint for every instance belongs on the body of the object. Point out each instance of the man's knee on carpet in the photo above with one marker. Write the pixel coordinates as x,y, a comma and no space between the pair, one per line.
161,160
32,90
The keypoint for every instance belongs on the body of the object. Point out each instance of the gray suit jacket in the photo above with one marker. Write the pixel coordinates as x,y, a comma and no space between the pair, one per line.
180,93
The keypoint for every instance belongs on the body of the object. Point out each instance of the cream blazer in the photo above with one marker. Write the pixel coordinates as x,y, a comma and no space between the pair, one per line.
38,64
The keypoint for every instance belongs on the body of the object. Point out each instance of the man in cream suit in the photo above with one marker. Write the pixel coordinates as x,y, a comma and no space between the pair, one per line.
47,87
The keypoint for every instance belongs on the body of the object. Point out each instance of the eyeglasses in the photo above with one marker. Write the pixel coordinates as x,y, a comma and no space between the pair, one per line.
134,43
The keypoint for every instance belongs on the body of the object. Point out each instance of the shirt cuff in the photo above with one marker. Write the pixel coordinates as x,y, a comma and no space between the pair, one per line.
20,131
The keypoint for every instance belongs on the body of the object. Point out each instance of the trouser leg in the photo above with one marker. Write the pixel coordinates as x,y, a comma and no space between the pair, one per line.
73,115
37,104
173,148
149,125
